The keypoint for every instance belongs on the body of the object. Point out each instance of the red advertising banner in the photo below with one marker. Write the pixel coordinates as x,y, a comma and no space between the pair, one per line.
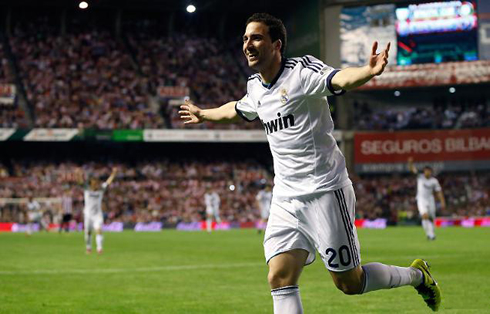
426,146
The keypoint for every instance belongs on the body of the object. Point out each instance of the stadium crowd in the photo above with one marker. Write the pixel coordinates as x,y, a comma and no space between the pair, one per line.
164,191
467,113
11,115
87,76
90,78
393,197
171,192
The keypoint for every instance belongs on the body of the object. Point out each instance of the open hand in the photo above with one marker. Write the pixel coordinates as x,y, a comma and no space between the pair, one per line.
190,113
378,61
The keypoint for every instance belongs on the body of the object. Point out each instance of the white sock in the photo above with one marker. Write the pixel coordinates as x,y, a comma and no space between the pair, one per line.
432,234
379,276
98,239
287,300
209,222
88,240
426,226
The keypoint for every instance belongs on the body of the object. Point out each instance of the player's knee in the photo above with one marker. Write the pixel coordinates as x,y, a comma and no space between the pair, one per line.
279,278
349,288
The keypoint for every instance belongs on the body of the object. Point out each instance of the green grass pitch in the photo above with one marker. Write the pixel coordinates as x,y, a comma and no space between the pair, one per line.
224,272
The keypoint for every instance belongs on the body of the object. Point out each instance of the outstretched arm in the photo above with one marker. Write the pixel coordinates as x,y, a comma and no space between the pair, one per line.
440,196
111,177
411,166
192,114
350,78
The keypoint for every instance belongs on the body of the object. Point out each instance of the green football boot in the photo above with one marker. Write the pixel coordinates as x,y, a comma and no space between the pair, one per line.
428,289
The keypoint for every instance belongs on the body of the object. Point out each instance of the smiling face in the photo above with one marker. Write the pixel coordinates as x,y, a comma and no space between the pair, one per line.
427,172
258,46
94,184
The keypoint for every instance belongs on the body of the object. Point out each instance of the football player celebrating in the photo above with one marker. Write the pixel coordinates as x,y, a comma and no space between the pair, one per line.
313,203
427,186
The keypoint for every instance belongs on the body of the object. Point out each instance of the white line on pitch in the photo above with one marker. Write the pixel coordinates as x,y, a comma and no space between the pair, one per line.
126,270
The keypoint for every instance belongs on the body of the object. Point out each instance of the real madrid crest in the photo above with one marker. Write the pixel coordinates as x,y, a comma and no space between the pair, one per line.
284,96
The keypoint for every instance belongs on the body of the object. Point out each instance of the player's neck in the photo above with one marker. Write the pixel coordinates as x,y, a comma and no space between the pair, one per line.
270,73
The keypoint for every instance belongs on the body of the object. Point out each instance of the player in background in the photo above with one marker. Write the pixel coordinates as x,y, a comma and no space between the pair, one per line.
264,199
66,210
313,204
212,202
34,214
93,218
427,186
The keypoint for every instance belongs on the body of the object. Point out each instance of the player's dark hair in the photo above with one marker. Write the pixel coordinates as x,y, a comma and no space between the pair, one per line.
428,168
277,30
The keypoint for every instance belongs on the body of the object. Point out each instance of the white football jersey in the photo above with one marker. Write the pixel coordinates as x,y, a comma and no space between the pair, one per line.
264,199
427,187
212,200
33,206
93,201
296,117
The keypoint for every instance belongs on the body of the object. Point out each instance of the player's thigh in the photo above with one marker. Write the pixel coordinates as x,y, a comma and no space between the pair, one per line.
285,268
88,223
423,208
285,232
337,241
98,221
432,210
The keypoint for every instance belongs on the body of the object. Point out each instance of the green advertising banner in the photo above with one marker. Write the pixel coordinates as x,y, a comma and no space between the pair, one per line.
127,135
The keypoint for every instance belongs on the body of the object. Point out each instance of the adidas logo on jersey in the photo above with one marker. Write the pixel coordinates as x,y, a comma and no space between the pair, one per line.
278,124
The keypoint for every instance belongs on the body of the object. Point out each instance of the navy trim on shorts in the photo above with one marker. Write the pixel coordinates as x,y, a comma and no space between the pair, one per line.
351,228
347,225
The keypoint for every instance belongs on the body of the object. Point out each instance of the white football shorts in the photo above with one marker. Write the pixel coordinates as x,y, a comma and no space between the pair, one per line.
34,216
322,222
264,213
93,222
213,211
426,207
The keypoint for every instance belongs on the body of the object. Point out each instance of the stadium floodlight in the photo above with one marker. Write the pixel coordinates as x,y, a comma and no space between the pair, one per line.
452,90
83,5
191,8
397,93
232,187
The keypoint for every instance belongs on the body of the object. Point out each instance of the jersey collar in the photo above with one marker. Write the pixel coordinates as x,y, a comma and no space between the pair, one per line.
269,85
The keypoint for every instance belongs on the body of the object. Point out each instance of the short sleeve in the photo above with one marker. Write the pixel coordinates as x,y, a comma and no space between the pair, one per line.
245,108
316,78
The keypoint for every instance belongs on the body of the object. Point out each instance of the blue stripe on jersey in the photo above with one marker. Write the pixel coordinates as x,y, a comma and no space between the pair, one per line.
255,76
315,67
313,64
